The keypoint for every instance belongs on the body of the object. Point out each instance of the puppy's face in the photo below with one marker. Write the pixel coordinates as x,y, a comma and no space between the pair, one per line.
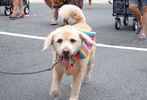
66,41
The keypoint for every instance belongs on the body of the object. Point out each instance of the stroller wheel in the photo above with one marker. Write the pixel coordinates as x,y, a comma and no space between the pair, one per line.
8,11
26,10
125,20
117,23
135,24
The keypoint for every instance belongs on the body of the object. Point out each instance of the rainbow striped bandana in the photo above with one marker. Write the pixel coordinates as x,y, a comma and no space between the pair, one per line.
82,53
86,47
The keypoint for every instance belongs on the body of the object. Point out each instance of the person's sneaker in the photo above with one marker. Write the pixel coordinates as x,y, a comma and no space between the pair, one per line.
141,37
138,30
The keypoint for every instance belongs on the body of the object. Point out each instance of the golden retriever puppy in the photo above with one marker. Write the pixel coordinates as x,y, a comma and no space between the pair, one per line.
68,51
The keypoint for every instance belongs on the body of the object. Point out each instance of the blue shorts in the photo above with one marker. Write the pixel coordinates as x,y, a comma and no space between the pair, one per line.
144,2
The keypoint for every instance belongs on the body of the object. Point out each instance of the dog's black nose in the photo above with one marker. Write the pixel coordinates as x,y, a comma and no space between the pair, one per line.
66,52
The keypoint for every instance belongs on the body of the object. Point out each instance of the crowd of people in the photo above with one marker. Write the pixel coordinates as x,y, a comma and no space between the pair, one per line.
133,5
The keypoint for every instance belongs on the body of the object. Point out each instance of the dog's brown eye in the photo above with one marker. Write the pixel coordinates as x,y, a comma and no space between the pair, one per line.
73,40
59,41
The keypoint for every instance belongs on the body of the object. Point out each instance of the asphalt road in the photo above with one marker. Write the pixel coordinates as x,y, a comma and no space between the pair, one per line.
117,74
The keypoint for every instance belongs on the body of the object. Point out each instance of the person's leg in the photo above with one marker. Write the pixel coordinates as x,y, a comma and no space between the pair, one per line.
133,5
80,3
49,3
144,29
136,13
142,36
20,3
89,6
15,6
54,16
21,13
56,4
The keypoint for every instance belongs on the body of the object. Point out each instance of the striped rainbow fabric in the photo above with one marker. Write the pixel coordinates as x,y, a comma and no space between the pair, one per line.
86,47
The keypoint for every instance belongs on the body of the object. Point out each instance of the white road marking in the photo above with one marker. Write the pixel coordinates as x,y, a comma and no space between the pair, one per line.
97,44
121,47
22,35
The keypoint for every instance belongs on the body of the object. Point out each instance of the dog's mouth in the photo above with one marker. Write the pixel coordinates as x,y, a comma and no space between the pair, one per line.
66,60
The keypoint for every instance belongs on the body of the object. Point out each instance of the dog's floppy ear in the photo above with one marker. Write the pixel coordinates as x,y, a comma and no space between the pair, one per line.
86,37
48,41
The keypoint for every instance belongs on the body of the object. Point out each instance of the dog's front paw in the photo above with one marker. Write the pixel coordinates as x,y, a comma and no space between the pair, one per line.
86,78
73,98
54,93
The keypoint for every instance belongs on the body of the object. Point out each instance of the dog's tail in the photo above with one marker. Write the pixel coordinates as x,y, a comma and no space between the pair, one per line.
72,11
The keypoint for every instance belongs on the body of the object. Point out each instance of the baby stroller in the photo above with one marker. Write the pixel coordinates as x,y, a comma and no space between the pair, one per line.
121,9
9,5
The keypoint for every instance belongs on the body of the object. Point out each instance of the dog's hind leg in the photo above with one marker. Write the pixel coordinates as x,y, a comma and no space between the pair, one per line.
57,76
